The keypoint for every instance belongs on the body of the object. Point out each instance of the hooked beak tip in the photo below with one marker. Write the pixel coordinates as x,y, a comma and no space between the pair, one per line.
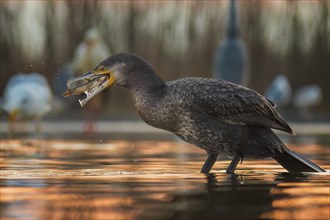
67,93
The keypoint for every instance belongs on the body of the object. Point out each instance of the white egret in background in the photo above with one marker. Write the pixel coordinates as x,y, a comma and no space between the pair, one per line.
27,96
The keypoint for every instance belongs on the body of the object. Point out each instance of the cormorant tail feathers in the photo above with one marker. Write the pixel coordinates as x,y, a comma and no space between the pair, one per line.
295,162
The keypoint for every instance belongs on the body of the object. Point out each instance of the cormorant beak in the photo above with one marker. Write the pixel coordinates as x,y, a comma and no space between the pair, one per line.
90,83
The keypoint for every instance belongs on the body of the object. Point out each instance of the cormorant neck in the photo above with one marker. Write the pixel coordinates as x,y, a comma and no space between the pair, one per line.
147,89
142,79
232,23
137,75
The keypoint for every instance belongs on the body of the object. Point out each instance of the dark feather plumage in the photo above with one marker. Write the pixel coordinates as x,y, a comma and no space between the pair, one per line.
215,115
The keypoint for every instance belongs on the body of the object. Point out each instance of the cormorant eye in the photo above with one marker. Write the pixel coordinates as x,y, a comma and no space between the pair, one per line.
102,68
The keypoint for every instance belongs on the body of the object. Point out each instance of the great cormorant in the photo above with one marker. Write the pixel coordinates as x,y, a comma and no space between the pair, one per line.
216,115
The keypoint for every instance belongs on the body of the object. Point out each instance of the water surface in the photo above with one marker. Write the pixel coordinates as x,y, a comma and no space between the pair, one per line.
56,179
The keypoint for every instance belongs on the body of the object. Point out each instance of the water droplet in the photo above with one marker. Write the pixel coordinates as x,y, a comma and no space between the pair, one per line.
100,141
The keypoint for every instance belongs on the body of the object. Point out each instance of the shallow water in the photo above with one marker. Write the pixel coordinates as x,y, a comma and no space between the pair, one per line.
56,179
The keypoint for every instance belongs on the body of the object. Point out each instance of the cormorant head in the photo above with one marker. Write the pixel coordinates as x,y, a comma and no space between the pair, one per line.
116,69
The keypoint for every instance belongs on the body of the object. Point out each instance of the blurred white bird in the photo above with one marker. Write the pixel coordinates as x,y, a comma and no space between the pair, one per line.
27,96
306,97
89,52
87,55
279,91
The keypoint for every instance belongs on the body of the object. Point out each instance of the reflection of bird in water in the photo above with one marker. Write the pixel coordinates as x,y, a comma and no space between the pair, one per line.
279,91
224,195
87,55
215,115
305,98
231,57
27,96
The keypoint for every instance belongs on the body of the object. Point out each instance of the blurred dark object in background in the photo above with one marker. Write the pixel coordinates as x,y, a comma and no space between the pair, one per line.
230,60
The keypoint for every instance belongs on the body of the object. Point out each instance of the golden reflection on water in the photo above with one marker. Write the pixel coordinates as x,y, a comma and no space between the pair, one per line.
52,179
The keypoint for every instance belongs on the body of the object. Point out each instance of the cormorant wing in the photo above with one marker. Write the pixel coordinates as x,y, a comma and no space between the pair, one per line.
235,104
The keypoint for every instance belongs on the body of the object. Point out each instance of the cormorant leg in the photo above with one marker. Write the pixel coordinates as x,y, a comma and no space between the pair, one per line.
233,164
211,158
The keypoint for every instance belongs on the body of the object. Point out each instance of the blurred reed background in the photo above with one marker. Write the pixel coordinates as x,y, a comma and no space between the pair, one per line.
179,38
